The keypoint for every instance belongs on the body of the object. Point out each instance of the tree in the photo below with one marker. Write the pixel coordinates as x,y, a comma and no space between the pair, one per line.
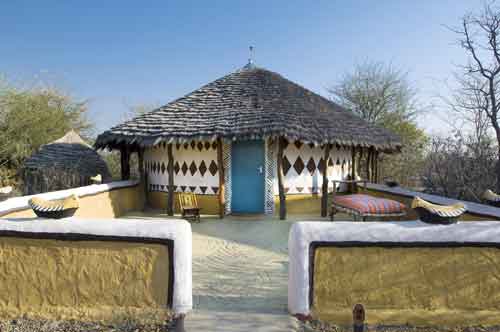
478,96
33,117
383,96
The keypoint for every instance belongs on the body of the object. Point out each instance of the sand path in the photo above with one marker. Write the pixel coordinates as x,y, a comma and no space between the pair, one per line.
240,274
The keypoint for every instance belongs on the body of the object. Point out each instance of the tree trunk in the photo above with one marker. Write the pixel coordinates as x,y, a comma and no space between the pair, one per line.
125,163
281,178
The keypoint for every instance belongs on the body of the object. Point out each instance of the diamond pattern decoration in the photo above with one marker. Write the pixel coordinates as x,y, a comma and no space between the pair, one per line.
184,168
298,144
192,188
193,168
186,145
193,144
286,165
298,165
214,145
202,168
311,166
311,145
200,146
163,168
176,167
207,145
183,188
215,190
203,189
285,144
321,165
330,162
177,146
213,168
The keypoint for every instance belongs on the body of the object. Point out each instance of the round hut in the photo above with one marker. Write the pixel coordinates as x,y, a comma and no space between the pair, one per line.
65,163
248,142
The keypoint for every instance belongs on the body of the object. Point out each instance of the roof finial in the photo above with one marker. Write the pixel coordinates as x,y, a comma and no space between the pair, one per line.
250,59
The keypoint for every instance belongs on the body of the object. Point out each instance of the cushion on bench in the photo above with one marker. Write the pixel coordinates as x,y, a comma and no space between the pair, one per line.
366,204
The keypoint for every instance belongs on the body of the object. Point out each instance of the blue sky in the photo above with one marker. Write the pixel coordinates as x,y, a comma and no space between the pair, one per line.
119,54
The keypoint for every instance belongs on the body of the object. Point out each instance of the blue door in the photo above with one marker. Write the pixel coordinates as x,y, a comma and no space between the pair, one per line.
247,176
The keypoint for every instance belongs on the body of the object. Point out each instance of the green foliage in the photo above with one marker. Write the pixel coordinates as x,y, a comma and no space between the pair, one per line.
33,117
383,96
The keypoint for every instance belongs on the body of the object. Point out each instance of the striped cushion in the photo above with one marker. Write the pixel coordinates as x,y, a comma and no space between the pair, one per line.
365,204
445,211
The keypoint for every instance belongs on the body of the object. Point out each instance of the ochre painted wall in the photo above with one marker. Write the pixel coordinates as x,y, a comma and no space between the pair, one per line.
209,204
300,204
418,286
410,213
110,204
91,280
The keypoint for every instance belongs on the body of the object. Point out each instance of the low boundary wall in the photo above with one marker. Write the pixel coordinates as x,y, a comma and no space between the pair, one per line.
401,272
108,200
95,269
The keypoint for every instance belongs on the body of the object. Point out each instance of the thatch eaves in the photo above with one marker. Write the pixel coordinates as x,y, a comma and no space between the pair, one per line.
251,103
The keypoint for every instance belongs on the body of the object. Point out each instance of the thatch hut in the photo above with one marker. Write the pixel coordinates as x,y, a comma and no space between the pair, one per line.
245,141
65,163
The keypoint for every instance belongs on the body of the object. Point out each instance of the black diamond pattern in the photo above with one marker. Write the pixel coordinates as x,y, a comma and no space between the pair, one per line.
207,145
193,168
214,145
184,168
202,168
177,146
183,188
203,189
200,146
286,165
298,165
321,165
213,168
192,188
311,166
193,144
215,190
285,144
186,145
176,167
163,168
298,144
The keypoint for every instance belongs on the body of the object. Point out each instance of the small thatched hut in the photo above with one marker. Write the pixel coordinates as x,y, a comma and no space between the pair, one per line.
65,163
245,141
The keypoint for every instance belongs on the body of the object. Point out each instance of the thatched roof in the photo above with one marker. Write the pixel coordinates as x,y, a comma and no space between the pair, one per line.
69,153
250,103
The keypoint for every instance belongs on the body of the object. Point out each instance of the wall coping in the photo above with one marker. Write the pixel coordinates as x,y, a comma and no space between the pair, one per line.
179,231
472,207
303,234
21,203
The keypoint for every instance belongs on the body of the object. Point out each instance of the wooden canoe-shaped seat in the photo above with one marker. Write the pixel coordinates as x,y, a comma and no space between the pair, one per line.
437,214
54,209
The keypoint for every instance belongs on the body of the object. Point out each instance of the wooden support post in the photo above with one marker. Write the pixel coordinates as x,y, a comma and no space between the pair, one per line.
352,186
324,188
170,170
281,178
222,189
125,163
368,165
